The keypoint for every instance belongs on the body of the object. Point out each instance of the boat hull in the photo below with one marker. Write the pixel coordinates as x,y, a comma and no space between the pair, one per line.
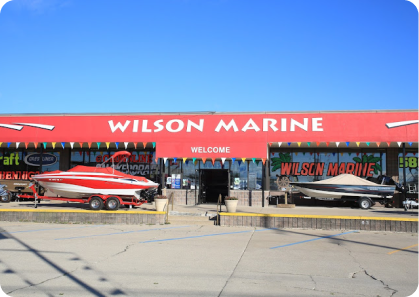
330,191
83,185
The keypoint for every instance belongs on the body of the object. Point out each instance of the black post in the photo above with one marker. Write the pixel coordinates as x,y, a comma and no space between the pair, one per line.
263,185
40,157
404,171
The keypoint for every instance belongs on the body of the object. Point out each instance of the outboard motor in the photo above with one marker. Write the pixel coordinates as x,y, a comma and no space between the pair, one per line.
149,194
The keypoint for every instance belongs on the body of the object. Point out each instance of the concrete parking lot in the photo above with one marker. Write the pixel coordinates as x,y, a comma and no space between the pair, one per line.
189,260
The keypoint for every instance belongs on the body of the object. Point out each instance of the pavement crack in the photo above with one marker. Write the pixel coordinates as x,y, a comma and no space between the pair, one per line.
237,264
363,270
44,281
315,284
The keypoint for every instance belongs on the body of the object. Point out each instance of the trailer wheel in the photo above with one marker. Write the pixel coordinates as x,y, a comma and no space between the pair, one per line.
96,203
364,202
112,203
6,198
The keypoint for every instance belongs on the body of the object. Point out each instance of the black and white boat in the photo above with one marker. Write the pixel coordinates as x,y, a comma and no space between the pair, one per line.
346,187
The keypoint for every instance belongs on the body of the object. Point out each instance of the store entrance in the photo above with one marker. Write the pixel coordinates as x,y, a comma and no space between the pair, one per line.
213,182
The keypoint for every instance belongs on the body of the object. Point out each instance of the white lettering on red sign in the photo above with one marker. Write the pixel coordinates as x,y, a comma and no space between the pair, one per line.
177,125
210,149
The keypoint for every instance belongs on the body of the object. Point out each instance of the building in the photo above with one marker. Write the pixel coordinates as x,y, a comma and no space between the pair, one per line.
199,156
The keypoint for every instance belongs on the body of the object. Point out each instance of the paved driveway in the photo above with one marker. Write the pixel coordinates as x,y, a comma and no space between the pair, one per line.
149,260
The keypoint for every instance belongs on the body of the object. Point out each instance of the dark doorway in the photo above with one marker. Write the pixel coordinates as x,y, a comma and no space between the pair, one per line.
213,182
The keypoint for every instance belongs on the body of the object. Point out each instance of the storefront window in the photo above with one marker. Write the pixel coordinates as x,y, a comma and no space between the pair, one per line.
189,174
141,163
255,175
314,165
22,164
238,175
411,165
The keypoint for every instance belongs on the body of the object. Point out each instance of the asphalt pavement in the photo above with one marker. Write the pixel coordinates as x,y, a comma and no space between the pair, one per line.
39,259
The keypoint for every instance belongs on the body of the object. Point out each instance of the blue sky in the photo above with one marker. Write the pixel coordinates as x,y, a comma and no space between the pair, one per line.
74,56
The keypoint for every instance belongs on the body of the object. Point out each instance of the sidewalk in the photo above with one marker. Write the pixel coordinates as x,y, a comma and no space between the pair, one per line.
211,209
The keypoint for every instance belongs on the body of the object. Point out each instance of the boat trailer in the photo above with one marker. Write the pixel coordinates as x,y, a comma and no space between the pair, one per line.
96,201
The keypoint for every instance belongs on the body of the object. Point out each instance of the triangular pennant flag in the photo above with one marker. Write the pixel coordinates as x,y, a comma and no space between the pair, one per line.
53,145
388,143
117,145
2,143
223,160
144,144
378,144
318,143
341,154
164,160
318,154
213,161
240,162
193,160
296,153
17,145
126,144
254,160
8,144
263,161
349,154
257,162
174,160
399,143
26,144
311,153
304,153
308,143
35,144
184,159
98,145
233,159
357,154
156,159
347,143
81,144
270,143
368,144
89,145
410,143
204,160
337,144
279,144
45,145
327,143
357,144
81,153
72,145
63,144
289,143
333,154
243,159
414,153
135,145
154,145
299,144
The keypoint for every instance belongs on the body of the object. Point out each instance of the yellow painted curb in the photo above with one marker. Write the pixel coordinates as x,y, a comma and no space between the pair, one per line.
240,214
84,211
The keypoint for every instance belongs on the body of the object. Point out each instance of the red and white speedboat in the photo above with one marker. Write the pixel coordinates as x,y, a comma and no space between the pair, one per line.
85,181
